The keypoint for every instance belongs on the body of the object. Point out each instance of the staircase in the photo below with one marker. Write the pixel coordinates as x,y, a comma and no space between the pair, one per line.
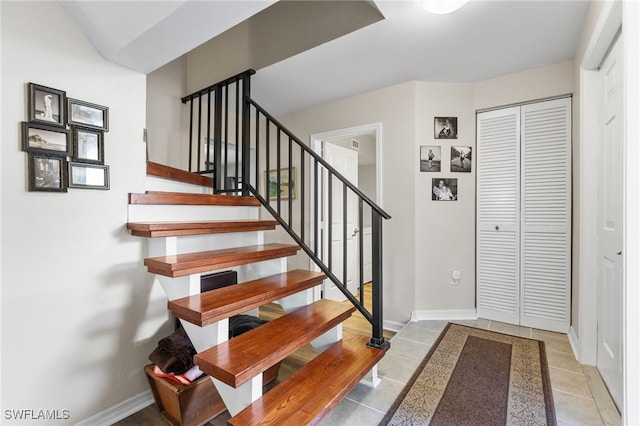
184,243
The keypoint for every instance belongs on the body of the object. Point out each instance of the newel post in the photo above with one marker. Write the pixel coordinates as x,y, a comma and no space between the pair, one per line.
377,339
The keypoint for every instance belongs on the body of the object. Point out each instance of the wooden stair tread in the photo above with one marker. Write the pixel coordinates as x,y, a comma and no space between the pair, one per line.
236,361
206,308
171,229
194,199
299,401
193,263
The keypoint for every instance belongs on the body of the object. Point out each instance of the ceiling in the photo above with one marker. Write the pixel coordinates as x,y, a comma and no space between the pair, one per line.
483,40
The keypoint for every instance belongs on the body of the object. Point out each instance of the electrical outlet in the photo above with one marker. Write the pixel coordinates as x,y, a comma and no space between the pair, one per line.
455,277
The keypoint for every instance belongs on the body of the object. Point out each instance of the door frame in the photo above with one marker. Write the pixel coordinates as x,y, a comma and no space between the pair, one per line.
315,142
584,341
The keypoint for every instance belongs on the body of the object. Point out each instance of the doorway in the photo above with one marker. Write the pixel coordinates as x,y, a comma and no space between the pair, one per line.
342,148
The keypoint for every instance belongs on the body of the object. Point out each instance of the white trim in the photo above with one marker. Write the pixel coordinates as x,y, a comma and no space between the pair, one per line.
444,314
574,342
587,336
631,250
392,326
120,411
604,32
349,132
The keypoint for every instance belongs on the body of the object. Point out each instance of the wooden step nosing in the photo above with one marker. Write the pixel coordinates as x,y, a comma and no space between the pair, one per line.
272,351
211,260
171,229
205,316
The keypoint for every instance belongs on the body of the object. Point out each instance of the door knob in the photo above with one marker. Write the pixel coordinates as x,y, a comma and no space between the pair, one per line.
355,231
497,228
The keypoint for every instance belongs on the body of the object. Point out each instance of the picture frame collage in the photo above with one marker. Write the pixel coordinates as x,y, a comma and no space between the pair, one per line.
431,159
64,138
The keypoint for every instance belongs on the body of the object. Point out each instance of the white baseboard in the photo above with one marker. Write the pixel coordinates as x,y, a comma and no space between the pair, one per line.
445,314
120,411
392,325
574,341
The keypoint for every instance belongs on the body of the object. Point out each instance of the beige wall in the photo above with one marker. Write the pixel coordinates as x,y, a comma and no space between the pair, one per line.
444,230
539,83
398,136
167,117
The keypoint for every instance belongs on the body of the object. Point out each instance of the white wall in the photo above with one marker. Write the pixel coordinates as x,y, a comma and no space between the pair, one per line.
79,314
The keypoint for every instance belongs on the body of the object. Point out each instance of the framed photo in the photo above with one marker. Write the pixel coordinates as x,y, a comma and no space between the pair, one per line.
47,105
430,158
461,159
286,182
445,127
45,139
89,176
47,173
444,189
88,146
88,115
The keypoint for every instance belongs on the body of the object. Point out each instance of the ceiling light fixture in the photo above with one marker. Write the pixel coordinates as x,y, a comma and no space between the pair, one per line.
442,7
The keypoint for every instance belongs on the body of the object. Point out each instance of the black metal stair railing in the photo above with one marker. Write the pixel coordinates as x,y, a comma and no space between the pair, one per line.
250,152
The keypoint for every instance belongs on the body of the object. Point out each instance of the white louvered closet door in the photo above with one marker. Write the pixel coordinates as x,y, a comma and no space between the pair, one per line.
546,215
524,215
498,215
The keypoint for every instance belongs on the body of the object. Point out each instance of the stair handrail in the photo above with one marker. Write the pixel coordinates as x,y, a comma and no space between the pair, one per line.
238,129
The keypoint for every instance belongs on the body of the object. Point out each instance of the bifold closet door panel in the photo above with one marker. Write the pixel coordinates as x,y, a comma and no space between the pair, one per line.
498,217
545,279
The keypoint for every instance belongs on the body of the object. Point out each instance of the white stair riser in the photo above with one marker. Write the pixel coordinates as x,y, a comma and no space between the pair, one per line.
182,213
166,246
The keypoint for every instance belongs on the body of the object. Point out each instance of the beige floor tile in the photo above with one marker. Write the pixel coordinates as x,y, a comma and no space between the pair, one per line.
559,346
569,382
575,410
408,348
479,323
435,325
419,334
514,330
563,360
608,410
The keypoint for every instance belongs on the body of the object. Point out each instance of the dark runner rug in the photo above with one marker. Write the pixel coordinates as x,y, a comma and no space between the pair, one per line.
477,377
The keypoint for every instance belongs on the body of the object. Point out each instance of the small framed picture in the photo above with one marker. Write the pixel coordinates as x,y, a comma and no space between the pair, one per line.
445,127
444,189
47,173
88,146
89,176
45,139
461,159
286,182
430,158
47,105
88,115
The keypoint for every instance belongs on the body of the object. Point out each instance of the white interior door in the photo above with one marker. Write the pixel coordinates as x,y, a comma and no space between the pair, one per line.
345,161
545,273
610,224
498,215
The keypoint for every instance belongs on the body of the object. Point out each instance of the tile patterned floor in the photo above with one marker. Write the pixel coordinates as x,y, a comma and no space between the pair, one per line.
579,395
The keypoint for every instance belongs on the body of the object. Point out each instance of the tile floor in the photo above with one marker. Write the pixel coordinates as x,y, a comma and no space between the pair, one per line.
579,395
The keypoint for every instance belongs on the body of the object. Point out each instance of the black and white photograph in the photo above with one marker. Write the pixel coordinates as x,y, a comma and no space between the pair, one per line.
445,127
89,176
88,145
461,159
88,115
430,158
444,189
46,173
45,139
46,105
